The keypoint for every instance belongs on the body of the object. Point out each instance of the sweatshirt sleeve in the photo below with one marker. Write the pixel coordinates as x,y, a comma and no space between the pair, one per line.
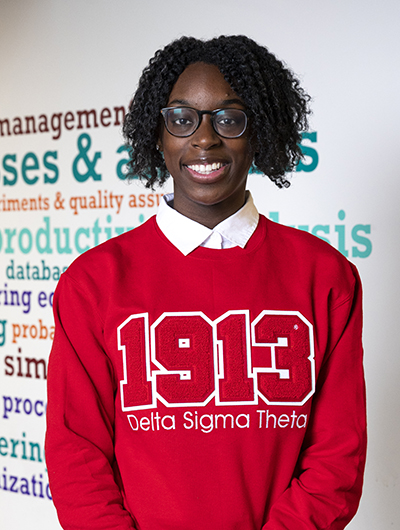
80,417
325,490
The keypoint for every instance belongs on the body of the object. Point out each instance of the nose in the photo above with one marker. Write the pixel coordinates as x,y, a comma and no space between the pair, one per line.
205,137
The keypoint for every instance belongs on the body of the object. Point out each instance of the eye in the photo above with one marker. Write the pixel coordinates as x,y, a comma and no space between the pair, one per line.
181,121
230,123
226,121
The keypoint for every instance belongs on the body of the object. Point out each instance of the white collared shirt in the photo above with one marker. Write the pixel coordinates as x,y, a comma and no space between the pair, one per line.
186,235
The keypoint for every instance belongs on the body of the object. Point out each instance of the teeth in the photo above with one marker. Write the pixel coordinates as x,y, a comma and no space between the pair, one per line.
205,169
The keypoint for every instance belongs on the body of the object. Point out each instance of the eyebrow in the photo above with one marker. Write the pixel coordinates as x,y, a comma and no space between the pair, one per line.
234,101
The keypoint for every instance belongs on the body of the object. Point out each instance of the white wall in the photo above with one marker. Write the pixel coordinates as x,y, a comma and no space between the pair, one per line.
58,56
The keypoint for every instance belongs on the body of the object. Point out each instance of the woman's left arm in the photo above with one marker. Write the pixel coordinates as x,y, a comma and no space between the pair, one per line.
325,491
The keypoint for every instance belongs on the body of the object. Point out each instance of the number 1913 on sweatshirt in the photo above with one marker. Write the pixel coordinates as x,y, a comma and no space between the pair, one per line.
185,359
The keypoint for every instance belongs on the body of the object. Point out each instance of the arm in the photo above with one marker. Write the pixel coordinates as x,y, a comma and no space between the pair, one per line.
326,488
80,418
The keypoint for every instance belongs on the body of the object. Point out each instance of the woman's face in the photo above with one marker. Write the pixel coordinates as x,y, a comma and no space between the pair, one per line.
206,196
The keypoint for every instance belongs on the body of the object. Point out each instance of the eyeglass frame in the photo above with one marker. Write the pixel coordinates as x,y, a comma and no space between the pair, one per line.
200,114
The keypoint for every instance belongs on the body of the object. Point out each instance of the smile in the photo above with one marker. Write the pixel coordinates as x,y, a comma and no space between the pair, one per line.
206,169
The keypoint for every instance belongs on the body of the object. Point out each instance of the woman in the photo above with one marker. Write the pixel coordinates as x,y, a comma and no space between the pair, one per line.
206,371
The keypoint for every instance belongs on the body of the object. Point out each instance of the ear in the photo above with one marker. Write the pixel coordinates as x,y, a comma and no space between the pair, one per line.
159,145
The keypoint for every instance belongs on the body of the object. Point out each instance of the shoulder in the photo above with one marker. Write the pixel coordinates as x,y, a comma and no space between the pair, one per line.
303,255
116,253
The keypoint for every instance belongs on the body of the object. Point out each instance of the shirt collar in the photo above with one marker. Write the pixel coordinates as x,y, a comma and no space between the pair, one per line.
186,235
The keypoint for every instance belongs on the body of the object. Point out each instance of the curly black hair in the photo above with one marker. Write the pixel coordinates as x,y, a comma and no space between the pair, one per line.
276,104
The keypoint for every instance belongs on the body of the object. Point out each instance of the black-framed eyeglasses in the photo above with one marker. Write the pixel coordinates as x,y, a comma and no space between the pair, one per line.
184,121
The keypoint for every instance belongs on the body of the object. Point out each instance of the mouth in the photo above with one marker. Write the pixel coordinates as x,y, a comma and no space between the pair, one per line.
206,169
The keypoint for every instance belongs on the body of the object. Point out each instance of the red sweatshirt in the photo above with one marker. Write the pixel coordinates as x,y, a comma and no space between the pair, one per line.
223,390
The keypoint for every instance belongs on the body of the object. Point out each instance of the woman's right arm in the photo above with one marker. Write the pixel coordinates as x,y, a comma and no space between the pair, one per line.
80,417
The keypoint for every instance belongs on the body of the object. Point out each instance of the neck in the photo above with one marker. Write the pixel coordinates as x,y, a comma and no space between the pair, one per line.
209,215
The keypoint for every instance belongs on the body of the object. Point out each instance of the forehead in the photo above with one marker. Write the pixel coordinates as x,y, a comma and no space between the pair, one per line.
203,86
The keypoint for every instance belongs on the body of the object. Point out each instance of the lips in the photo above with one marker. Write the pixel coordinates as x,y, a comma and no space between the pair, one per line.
211,171
206,169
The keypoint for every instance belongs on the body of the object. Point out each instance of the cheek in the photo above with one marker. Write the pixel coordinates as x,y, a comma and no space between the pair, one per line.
171,159
173,149
168,158
245,154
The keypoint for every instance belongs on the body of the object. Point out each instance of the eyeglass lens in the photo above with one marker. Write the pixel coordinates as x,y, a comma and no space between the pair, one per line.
183,121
